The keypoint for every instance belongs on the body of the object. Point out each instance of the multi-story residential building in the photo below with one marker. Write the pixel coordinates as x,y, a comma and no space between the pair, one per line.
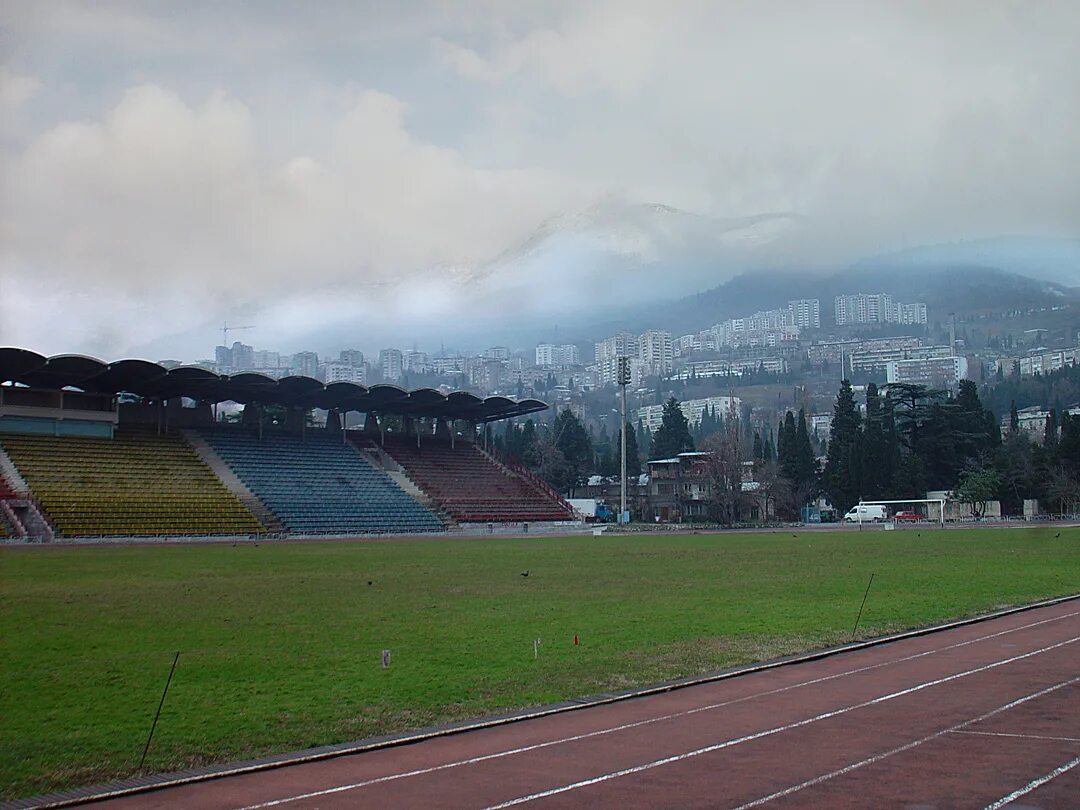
549,355
911,313
223,357
875,360
833,351
264,359
496,353
352,357
820,425
337,371
806,313
305,364
445,366
415,362
655,352
392,364
651,416
726,368
1044,362
864,308
608,353
935,371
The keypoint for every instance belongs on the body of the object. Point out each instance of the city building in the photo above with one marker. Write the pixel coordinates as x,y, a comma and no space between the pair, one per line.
445,366
935,371
806,313
416,362
1043,362
337,371
908,314
864,308
391,362
651,416
608,353
875,360
352,357
496,353
655,352
726,368
305,364
549,355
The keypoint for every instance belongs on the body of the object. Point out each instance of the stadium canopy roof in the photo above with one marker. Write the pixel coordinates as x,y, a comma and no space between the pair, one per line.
152,381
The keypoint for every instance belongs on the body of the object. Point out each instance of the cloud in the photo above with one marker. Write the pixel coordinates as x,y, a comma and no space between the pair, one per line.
161,203
15,89
224,160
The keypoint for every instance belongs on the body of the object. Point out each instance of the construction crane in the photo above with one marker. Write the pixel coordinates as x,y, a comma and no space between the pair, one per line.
225,329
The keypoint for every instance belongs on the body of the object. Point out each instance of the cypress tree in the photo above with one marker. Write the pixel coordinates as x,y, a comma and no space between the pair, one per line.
673,437
1050,435
759,450
843,461
805,462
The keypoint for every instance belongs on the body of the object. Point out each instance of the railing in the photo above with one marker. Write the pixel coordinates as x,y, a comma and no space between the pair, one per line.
517,467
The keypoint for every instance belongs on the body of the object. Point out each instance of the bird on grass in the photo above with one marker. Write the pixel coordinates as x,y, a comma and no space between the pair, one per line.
369,582
1056,536
524,573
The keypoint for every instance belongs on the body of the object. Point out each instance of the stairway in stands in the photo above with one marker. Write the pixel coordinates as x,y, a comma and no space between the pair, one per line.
316,484
471,486
135,484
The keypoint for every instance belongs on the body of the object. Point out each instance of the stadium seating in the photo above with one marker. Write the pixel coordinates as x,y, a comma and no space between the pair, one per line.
136,484
470,486
5,492
316,484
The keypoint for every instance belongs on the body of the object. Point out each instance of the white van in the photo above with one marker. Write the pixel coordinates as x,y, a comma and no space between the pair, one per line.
866,513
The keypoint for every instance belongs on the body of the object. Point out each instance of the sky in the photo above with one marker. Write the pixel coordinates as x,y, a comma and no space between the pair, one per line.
368,174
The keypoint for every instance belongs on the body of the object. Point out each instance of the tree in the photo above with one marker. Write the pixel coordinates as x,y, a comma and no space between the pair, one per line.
1063,490
633,458
843,459
673,437
571,439
724,464
1050,435
976,489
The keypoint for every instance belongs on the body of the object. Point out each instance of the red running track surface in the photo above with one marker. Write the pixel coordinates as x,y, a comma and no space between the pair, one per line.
986,715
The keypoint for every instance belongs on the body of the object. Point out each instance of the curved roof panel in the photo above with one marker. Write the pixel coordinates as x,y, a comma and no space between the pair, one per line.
14,363
154,381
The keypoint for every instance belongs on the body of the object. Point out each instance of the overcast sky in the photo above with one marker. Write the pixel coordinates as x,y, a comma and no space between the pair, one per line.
168,165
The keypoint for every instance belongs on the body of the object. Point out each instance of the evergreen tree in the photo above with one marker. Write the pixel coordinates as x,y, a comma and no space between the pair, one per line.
843,462
788,449
805,462
768,452
633,459
759,450
571,439
1014,418
1050,435
673,437
645,448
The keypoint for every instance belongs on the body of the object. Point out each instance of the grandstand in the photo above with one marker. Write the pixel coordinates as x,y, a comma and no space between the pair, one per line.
317,484
135,484
131,448
470,485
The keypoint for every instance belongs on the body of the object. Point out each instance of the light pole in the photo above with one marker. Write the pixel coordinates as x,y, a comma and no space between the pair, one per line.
624,380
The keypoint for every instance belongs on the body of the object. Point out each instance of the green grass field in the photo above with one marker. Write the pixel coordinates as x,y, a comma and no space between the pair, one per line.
281,642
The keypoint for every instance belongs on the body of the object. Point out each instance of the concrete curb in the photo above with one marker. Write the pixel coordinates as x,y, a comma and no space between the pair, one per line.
144,784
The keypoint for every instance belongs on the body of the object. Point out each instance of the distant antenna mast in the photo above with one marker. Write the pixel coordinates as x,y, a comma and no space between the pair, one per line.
225,329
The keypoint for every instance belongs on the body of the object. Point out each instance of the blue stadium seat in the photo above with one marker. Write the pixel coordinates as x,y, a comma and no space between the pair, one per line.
317,485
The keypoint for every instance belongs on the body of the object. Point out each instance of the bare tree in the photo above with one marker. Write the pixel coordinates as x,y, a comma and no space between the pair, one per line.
725,468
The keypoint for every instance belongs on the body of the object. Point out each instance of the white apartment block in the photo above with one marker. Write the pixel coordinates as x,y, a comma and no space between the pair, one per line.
876,308
607,371
336,371
416,362
726,368
1045,362
871,360
496,353
908,314
622,344
656,353
934,371
391,362
806,313
652,416
549,355
449,365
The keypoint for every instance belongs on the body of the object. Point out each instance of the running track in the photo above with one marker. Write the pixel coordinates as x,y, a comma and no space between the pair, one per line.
984,716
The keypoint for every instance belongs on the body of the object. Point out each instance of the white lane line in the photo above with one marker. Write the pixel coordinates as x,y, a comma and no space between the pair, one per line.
900,749
1034,783
656,763
1021,736
639,723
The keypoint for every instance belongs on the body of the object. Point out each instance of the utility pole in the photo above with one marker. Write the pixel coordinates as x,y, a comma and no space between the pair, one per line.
623,380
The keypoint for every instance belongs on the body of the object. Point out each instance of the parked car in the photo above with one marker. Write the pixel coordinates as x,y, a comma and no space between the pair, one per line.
907,515
865,513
